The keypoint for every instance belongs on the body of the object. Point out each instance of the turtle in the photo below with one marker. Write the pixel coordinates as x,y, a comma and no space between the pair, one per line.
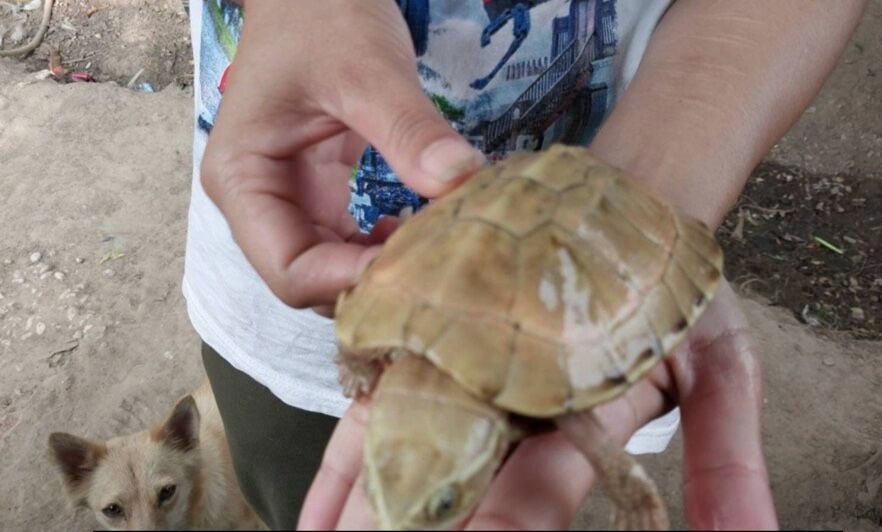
546,284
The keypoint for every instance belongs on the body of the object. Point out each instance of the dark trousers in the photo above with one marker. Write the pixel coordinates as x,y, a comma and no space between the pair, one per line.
276,448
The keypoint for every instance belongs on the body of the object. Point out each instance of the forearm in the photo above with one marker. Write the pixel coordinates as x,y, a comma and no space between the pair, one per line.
719,84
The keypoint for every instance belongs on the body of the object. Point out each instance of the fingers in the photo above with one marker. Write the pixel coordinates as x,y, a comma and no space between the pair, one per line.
725,479
544,481
540,487
413,136
293,239
336,477
378,95
357,513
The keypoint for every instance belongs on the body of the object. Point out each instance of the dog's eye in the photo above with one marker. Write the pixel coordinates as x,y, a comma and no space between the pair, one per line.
112,510
166,493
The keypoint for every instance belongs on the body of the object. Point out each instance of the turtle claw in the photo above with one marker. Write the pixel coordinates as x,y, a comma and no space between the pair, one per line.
358,375
637,504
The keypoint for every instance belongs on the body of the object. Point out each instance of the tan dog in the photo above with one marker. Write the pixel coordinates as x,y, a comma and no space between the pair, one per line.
177,475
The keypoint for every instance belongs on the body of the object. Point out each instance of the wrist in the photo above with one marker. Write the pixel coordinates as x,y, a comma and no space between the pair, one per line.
693,178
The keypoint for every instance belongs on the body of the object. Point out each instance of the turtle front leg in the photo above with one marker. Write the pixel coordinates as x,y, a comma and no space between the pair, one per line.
636,502
358,373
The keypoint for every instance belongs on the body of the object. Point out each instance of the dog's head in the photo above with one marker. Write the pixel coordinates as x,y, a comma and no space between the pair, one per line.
148,480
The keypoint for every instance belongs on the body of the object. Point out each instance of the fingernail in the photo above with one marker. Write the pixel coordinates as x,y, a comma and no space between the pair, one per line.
448,158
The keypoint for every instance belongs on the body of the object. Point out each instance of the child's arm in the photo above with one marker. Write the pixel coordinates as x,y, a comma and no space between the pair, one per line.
719,84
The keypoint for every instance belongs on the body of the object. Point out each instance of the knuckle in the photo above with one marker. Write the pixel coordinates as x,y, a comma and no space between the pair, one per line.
411,127
220,175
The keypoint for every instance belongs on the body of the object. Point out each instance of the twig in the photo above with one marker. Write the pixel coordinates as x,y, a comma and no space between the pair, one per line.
86,57
829,246
38,38
132,81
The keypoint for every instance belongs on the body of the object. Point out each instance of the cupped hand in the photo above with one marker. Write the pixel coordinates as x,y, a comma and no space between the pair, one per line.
312,83
713,375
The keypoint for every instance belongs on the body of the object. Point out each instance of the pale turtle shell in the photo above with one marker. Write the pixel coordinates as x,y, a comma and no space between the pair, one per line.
546,283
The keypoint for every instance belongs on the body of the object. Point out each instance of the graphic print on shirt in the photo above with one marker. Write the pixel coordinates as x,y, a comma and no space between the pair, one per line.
509,75
220,35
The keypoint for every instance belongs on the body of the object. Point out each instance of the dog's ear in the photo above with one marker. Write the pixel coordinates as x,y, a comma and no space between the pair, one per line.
77,459
181,429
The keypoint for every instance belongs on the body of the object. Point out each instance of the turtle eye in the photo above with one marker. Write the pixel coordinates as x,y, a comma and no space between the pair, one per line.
443,503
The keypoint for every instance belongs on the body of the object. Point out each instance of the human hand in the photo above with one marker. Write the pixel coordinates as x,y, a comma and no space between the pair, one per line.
312,83
714,377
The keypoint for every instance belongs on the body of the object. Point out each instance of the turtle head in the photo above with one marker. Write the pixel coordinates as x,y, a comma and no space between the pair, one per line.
421,489
431,450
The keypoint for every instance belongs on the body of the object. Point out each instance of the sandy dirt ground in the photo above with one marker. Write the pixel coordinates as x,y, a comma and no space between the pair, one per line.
94,337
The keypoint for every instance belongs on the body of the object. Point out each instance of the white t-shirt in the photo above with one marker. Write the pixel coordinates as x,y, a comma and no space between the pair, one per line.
491,67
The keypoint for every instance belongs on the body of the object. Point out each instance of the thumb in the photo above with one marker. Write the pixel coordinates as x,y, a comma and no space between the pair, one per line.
402,123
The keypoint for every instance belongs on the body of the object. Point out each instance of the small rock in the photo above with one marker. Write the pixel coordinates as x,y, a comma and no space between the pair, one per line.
40,328
59,275
80,260
829,362
36,256
809,318
109,273
71,313
857,314
168,355
43,268
7,262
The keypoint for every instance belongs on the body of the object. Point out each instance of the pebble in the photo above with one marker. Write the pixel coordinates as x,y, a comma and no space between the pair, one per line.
59,275
109,273
7,262
40,328
829,362
857,314
36,256
43,268
71,313
80,260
